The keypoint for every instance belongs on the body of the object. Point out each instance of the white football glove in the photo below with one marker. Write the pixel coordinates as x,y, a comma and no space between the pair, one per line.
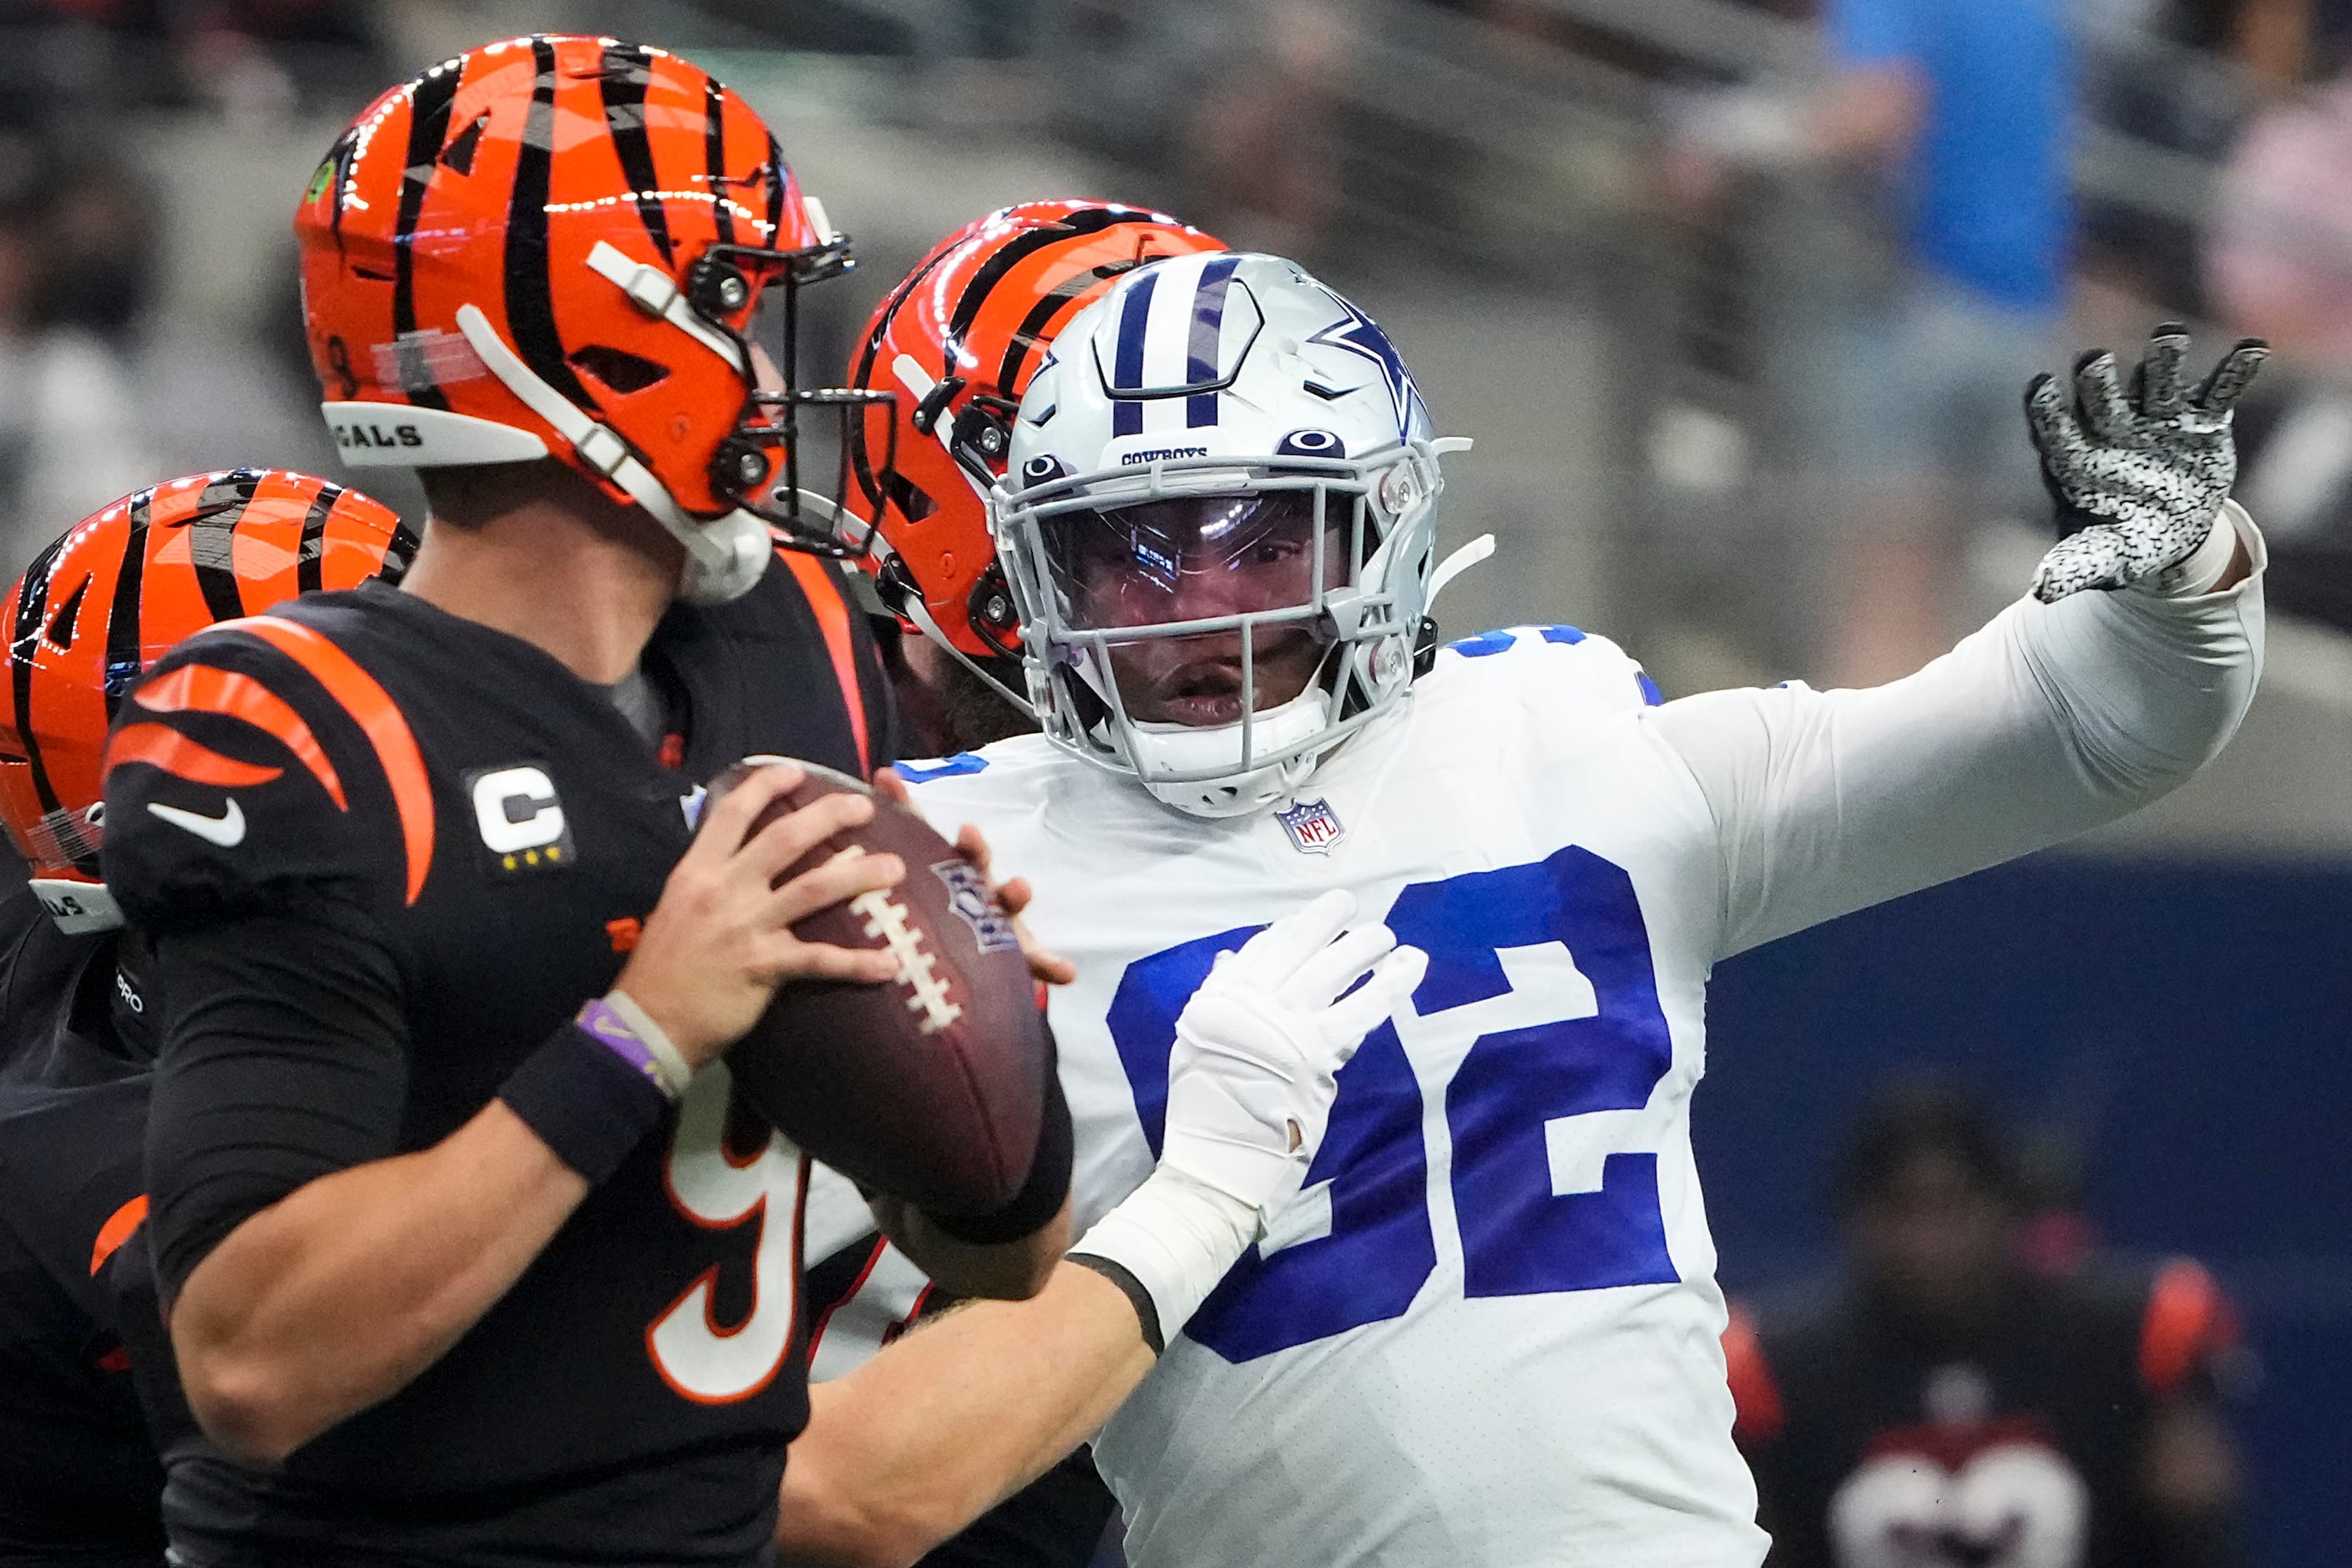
1250,1084
2139,476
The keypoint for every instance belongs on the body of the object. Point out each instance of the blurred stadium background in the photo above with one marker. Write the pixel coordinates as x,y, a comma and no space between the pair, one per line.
1643,357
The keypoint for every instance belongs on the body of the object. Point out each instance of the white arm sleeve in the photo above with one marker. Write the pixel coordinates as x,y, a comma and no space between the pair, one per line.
2051,720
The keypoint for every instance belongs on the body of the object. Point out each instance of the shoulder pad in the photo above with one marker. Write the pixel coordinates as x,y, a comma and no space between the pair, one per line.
1009,779
257,762
1554,661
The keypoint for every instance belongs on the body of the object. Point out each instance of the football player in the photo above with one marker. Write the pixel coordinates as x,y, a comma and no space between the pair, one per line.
1487,1330
462,1260
466,1251
955,342
1941,1402
79,1478
955,345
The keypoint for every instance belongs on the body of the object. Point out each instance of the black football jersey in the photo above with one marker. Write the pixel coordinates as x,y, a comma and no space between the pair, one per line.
79,1478
1871,1443
504,829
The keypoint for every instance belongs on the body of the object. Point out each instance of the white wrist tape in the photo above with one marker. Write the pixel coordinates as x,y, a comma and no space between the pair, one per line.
1177,1238
2202,569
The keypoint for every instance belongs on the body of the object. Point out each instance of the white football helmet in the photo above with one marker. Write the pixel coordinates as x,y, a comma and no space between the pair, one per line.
1222,478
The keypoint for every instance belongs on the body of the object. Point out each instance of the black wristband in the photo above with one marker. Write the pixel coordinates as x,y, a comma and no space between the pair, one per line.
1040,1198
1146,1310
585,1102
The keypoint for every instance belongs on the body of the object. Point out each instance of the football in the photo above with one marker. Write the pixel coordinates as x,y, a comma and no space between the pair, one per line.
929,1088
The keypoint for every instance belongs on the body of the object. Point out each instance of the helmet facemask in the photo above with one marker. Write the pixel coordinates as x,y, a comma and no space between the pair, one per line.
1215,625
758,466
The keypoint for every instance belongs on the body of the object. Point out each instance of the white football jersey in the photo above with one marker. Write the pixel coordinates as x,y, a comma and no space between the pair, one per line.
1487,1329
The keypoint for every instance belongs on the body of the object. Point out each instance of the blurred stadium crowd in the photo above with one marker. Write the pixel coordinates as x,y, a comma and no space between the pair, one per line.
1679,265
1668,261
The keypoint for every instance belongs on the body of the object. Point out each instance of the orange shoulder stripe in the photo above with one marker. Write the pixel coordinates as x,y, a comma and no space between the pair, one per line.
374,709
201,689
2186,1321
161,746
825,597
116,1231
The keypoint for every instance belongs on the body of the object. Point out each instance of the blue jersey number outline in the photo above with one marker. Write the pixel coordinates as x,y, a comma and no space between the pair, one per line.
1519,1235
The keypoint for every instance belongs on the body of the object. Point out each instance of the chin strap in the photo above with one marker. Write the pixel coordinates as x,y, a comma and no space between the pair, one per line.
724,557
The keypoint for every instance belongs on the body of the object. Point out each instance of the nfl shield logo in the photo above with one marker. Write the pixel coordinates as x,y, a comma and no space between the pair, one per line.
1314,828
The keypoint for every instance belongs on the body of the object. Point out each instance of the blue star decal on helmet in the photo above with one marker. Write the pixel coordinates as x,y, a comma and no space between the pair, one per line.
1361,335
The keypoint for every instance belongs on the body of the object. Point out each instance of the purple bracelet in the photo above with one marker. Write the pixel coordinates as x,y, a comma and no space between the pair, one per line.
605,1025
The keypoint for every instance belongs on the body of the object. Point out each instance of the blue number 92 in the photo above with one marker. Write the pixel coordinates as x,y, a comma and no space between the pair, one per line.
1531,1221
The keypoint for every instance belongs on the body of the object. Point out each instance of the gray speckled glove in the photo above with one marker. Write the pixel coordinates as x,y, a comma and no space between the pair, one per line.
2139,476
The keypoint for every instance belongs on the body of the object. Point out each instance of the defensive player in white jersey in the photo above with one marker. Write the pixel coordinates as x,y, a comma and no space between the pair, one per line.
1485,1331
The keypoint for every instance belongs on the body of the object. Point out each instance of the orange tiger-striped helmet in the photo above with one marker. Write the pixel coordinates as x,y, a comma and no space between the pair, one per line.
959,339
112,596
558,245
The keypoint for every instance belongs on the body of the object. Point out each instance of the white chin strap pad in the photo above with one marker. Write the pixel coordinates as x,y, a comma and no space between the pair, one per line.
1160,750
723,558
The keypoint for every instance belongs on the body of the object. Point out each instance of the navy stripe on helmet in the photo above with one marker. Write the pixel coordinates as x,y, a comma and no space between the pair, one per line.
1208,326
1127,369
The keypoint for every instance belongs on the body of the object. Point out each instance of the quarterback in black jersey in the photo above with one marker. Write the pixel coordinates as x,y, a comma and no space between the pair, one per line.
468,1253
79,1481
458,843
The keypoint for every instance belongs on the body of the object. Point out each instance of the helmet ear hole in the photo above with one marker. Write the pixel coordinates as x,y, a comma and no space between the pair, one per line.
617,368
914,502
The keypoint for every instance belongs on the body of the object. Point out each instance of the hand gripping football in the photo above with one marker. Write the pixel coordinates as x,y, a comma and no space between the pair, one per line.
929,1088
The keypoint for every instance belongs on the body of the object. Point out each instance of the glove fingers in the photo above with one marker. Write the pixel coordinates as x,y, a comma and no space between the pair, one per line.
2108,413
2163,394
2221,390
1394,979
1274,954
2056,434
1324,975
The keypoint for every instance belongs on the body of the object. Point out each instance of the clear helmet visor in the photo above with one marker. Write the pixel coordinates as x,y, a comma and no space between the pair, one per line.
1205,608
1193,558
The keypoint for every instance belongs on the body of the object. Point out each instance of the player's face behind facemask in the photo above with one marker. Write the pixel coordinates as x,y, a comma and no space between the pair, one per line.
1247,564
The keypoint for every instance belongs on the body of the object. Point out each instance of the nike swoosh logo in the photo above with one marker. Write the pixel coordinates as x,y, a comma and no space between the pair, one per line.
227,829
